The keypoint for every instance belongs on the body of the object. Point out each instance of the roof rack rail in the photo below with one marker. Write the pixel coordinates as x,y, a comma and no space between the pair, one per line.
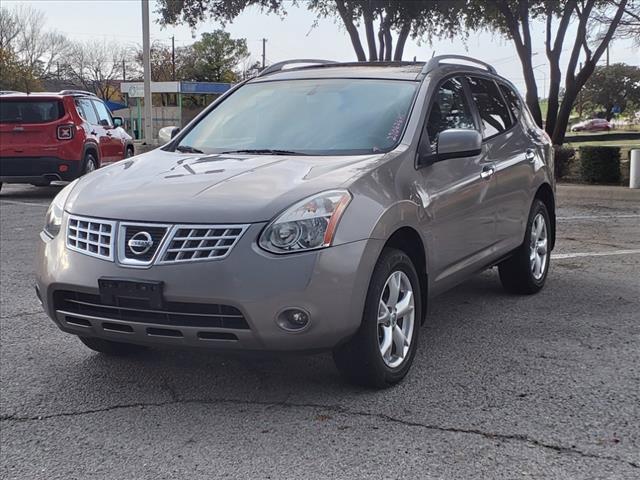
435,61
76,92
276,67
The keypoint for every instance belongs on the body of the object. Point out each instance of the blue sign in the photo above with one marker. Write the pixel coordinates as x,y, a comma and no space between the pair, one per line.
616,109
211,88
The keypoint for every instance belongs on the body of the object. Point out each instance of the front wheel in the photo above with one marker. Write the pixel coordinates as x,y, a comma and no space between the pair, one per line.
381,352
526,270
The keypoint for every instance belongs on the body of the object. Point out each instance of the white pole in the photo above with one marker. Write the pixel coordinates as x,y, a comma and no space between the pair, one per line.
634,173
146,65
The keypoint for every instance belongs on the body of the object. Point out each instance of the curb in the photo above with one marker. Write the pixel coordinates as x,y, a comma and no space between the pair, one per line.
597,192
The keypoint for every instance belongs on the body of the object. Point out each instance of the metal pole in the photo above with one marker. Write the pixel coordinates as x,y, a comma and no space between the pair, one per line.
146,64
634,171
139,126
264,51
124,72
173,57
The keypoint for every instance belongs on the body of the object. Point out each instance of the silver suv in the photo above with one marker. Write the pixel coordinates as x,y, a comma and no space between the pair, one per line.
318,206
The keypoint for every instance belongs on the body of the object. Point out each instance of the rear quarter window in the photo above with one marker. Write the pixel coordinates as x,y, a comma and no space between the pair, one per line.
86,111
30,111
513,100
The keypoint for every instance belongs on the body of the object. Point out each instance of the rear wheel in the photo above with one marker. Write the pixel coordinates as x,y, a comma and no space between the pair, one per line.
111,348
381,353
129,152
526,271
90,163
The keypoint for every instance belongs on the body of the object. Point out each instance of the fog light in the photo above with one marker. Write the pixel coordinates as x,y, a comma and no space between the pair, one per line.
293,319
63,168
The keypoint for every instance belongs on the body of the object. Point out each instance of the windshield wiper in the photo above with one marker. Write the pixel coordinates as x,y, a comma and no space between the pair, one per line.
264,151
187,149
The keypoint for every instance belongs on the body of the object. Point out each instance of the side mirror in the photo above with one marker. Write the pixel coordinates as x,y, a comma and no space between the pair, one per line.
166,134
118,121
458,143
454,143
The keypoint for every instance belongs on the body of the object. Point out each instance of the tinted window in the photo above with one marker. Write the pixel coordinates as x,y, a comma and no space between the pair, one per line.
513,100
449,109
493,111
103,113
316,117
86,111
30,111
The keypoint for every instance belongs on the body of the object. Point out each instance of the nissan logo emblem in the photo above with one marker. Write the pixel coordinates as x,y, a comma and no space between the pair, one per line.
140,243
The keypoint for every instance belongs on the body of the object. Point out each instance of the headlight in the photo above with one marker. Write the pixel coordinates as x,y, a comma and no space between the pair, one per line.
307,225
54,213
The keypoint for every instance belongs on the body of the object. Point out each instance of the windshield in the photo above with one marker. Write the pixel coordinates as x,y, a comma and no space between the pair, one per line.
312,117
30,111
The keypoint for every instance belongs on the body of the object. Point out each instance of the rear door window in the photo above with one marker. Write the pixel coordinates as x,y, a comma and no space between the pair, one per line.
30,111
103,114
493,111
86,111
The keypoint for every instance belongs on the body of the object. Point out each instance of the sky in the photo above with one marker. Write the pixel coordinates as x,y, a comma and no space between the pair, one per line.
298,35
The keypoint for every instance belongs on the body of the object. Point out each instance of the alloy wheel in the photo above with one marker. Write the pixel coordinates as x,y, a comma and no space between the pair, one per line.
538,251
396,316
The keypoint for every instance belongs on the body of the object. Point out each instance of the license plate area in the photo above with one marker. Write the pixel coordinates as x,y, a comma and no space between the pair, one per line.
131,293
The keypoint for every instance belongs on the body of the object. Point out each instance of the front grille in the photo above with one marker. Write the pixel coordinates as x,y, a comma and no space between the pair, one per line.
178,314
201,242
129,231
166,243
91,236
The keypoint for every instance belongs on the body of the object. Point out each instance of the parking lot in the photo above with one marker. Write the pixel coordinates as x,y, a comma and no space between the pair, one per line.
546,386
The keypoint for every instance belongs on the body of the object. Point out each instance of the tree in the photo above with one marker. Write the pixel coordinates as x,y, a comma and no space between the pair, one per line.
29,52
513,18
416,18
96,65
629,27
614,85
216,57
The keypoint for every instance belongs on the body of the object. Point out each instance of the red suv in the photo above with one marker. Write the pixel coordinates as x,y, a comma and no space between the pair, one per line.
57,136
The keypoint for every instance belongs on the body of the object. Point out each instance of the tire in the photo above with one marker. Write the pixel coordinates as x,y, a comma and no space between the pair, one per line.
521,273
128,152
108,347
360,360
90,163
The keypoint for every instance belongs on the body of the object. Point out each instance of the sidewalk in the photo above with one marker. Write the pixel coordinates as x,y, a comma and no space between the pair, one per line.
565,191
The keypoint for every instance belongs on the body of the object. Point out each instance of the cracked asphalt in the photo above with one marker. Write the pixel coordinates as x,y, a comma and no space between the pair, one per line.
502,386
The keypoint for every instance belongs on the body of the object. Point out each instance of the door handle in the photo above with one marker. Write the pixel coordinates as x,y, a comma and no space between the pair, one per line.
487,172
530,155
109,134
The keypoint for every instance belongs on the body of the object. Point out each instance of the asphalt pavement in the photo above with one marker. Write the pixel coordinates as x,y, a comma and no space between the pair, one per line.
503,386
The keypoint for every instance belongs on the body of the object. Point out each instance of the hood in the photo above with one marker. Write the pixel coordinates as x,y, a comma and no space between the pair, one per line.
162,186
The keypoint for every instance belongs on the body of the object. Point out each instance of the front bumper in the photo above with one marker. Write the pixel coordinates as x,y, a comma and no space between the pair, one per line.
330,284
37,169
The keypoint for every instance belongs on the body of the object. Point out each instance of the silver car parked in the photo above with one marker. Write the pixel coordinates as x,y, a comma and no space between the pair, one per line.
318,206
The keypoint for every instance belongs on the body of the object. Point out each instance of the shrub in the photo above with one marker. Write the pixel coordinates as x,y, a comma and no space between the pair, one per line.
562,159
600,164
